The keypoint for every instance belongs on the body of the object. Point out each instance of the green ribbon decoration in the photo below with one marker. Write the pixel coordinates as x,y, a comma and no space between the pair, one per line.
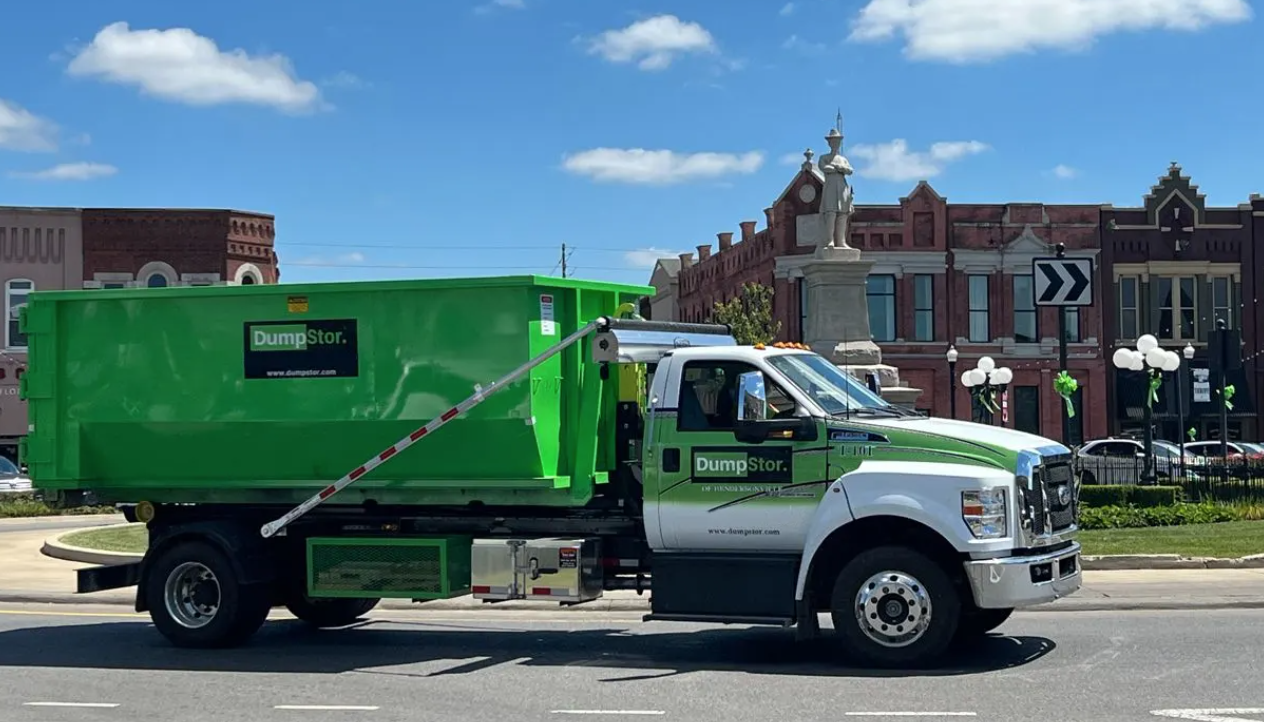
1065,386
1192,433
988,399
1228,396
1156,380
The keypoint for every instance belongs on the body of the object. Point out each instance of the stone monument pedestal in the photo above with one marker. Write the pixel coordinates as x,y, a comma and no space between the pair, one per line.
838,320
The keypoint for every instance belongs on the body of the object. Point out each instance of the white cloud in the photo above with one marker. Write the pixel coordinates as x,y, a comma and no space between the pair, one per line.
792,159
653,43
895,162
1065,172
20,129
794,42
70,172
182,66
346,259
964,31
646,257
343,79
511,4
787,9
659,167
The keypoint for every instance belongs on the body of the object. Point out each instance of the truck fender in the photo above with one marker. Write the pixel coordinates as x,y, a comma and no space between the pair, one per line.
923,492
251,558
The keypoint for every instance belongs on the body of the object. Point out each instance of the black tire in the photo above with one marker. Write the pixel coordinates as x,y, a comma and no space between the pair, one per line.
239,610
909,581
978,622
326,613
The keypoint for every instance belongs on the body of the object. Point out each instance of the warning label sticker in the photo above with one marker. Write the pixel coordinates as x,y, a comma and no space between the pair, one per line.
548,327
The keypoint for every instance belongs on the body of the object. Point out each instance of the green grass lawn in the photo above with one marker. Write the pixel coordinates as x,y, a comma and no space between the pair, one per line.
1230,539
133,538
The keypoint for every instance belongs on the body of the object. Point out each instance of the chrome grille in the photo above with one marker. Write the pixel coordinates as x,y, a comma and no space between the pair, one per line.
1051,498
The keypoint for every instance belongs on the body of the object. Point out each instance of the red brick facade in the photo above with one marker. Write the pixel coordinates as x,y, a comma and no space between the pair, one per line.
159,247
921,244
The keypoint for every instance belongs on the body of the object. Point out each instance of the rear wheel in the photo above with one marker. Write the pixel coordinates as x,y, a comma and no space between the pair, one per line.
195,599
895,607
324,613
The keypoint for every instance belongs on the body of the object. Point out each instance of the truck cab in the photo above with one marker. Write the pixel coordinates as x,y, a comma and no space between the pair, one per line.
777,486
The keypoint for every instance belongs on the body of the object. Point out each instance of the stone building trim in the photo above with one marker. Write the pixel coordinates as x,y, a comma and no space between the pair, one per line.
247,269
159,268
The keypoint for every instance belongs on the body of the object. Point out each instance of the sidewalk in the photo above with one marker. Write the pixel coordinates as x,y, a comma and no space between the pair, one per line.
26,575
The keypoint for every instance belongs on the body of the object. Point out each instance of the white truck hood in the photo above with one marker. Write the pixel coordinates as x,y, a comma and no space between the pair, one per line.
997,436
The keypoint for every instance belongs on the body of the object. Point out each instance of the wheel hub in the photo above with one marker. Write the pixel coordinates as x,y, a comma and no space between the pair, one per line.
192,595
893,609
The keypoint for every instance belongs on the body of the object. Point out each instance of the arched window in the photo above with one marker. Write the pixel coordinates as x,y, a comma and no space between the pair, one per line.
248,274
157,274
16,293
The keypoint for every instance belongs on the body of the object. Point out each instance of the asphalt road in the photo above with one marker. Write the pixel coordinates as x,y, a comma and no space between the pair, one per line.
469,667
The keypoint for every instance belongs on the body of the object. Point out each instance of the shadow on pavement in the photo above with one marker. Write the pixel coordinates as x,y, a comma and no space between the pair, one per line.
290,647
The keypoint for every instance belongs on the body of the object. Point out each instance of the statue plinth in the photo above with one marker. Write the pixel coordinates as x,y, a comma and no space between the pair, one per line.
838,307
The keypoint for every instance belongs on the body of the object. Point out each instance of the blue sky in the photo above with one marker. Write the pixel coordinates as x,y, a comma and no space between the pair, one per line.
446,138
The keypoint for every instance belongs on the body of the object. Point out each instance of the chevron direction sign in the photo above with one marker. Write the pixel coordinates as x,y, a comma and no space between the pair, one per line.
1062,281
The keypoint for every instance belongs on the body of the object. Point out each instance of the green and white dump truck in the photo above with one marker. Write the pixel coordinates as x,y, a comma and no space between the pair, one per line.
549,448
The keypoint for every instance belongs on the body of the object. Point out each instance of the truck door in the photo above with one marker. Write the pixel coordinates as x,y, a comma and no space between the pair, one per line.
715,492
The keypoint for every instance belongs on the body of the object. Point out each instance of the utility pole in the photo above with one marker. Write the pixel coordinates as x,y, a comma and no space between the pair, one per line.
1060,252
563,260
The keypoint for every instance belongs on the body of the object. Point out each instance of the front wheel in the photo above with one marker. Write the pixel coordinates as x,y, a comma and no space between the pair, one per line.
195,599
895,607
978,622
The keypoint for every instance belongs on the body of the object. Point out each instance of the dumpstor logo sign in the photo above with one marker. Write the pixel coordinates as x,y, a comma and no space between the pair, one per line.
287,350
771,464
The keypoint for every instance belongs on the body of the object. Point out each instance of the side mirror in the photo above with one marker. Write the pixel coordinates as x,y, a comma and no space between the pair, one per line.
752,398
797,428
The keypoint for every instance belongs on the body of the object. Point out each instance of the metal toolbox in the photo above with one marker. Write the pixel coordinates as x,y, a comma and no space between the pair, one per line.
560,570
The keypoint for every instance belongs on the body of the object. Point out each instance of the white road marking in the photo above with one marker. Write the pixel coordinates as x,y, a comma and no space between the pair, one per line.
327,707
1209,715
94,705
911,714
608,711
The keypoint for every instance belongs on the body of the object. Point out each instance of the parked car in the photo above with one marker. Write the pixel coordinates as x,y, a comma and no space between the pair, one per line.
1122,461
12,480
1245,460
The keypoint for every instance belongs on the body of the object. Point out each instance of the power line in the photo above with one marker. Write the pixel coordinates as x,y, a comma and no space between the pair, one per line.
569,268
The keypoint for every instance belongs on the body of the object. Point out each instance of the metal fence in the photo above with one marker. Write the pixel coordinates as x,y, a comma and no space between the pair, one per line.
1235,480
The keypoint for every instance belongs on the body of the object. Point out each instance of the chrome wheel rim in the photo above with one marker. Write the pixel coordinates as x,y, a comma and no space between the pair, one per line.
192,595
893,609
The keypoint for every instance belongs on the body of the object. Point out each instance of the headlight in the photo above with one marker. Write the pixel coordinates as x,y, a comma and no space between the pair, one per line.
985,512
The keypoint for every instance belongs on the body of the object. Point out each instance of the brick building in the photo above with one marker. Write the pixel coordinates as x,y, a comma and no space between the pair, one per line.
165,247
944,275
1175,266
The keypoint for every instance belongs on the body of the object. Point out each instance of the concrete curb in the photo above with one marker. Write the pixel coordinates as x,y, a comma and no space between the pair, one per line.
57,549
1167,561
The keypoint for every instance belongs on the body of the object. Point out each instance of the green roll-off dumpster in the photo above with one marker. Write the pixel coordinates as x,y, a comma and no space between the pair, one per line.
266,393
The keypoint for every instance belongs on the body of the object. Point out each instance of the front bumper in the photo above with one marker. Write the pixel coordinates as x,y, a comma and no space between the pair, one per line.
1012,582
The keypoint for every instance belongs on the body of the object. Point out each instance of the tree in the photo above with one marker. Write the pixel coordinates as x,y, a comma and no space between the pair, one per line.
749,315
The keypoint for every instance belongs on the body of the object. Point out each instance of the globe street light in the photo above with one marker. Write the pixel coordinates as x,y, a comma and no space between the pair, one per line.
1153,360
985,381
1181,384
952,382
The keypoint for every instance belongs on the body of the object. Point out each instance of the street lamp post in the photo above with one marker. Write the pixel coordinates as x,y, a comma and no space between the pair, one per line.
952,382
1152,359
986,380
1181,382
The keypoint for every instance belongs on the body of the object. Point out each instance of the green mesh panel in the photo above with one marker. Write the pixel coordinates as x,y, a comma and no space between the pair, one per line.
432,568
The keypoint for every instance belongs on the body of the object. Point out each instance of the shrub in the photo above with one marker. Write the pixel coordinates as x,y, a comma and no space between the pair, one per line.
1119,495
28,505
1135,517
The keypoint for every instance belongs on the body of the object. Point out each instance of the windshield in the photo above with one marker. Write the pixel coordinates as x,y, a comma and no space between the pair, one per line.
7,469
1167,448
835,391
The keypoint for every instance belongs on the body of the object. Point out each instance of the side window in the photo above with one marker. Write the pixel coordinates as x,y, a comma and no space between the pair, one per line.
708,396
